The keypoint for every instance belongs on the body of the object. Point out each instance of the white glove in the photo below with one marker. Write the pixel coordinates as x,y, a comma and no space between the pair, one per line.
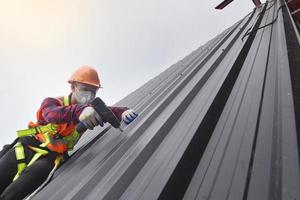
128,116
90,118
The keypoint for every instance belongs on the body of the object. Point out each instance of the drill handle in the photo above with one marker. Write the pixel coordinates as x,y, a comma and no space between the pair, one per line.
105,113
80,128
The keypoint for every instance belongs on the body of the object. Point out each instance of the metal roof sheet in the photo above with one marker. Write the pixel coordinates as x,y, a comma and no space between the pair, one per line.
218,124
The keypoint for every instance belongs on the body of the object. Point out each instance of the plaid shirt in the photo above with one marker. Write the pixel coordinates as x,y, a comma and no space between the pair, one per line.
53,111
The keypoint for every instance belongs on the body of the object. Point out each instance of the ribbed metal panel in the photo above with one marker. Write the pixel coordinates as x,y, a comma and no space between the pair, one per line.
219,124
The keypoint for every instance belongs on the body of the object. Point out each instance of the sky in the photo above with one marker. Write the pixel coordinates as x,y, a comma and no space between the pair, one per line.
128,42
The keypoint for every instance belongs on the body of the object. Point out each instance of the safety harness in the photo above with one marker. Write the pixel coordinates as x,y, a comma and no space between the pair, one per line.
48,129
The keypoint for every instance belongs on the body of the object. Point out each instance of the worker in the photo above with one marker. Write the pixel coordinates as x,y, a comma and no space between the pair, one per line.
26,164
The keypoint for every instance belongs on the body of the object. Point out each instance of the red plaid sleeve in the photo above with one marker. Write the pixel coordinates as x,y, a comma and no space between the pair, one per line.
118,111
54,112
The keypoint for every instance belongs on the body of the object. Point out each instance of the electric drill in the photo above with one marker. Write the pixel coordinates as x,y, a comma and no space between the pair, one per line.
105,113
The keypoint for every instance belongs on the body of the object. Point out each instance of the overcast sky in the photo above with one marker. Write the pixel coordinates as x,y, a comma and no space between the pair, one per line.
127,41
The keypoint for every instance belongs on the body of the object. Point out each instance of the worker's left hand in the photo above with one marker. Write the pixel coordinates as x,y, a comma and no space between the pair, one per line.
128,116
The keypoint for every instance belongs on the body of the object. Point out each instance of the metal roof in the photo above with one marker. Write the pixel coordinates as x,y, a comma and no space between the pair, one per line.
225,3
218,124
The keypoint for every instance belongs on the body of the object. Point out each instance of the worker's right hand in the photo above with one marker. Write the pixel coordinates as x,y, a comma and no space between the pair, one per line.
90,118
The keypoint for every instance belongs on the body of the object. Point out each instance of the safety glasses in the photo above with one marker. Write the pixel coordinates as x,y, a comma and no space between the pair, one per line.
84,87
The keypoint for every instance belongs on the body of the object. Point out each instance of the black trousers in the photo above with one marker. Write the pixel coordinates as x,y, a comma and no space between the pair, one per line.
30,179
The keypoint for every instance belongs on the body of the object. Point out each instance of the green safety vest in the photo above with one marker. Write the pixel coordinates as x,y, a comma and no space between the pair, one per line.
70,140
48,129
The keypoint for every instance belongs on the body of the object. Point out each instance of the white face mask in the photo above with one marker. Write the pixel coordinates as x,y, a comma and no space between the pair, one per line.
83,97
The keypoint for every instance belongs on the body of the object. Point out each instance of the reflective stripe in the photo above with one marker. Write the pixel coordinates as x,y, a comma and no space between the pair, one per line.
66,101
20,155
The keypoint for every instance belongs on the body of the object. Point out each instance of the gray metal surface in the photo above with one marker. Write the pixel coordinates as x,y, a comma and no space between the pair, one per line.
218,124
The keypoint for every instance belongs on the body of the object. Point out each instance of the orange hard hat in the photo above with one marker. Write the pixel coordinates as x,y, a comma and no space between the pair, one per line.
87,75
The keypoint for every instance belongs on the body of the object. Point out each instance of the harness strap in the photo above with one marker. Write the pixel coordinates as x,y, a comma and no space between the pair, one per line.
20,157
41,150
37,155
38,129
